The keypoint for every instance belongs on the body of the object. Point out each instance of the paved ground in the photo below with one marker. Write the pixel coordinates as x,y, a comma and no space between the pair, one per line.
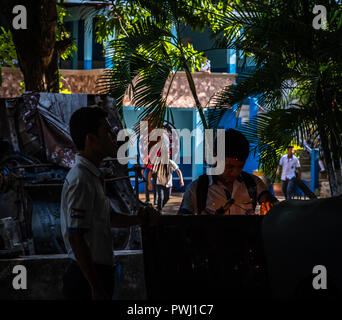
174,203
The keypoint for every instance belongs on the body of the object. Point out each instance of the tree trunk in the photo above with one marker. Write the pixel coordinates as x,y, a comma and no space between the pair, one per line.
328,161
328,142
37,49
191,81
194,94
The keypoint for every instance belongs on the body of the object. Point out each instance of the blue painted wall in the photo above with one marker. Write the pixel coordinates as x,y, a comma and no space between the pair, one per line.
229,120
188,118
202,41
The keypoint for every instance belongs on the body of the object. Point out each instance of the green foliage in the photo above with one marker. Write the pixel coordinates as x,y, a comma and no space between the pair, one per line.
61,89
63,34
148,51
7,50
119,19
297,79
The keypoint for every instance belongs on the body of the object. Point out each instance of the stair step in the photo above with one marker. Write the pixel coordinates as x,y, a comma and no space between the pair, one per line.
305,168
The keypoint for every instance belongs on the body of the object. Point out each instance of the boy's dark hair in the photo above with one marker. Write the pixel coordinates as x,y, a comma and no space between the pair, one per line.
236,145
83,121
289,147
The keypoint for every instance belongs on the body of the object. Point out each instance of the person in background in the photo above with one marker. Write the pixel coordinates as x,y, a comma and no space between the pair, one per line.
241,190
164,180
206,67
289,163
146,169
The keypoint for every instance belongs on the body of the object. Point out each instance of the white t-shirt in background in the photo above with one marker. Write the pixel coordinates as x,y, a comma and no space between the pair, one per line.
289,166
167,181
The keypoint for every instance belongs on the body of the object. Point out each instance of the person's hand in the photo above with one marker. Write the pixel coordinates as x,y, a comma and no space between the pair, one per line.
150,186
277,172
148,215
142,172
181,184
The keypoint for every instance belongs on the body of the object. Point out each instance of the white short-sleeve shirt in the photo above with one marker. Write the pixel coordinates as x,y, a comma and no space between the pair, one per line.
206,66
218,195
289,166
86,208
172,166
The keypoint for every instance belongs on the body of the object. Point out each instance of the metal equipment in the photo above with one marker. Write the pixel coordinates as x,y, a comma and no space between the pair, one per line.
36,153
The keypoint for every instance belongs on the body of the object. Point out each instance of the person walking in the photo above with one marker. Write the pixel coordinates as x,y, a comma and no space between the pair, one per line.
146,169
289,163
164,180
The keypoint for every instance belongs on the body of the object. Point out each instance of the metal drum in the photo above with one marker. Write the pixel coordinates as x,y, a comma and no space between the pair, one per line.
10,238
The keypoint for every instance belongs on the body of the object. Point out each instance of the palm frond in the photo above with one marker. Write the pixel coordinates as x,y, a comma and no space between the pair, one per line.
141,68
271,132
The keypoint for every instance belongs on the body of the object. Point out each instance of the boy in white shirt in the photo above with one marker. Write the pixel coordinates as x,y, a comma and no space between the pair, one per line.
289,162
164,181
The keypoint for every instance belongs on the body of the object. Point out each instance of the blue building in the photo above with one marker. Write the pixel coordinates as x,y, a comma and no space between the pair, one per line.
225,66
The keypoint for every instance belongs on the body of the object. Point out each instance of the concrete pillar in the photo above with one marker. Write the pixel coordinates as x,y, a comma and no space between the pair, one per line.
231,60
174,32
253,108
88,43
75,36
197,146
314,170
109,52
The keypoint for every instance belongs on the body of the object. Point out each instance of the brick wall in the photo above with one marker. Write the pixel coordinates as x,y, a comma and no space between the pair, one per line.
84,81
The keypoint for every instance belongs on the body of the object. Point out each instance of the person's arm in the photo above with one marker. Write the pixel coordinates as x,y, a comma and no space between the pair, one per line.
149,179
279,166
146,215
188,205
181,182
144,165
299,173
120,220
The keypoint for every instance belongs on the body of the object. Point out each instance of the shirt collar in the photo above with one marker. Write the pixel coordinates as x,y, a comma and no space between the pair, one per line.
214,180
88,164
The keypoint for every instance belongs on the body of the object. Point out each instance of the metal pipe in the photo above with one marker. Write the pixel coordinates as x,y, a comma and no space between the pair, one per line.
116,179
34,165
29,185
113,159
